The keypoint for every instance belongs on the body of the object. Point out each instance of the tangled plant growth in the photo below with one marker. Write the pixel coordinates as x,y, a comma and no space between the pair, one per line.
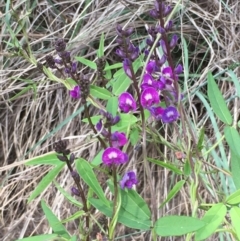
133,107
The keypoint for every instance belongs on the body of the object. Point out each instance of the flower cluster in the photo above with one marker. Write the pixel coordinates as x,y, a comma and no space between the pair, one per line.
159,79
113,155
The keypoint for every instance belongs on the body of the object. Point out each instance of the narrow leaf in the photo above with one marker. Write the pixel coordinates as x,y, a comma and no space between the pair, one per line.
45,237
87,62
177,187
233,139
213,218
45,182
217,101
45,159
234,198
177,225
235,168
100,92
124,217
166,165
112,105
74,216
86,173
70,198
235,217
54,223
100,52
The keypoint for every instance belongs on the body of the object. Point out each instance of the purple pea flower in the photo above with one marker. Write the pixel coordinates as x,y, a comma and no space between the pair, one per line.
99,127
118,139
178,69
170,114
114,156
157,112
148,81
126,67
126,102
75,92
151,66
129,179
173,41
149,97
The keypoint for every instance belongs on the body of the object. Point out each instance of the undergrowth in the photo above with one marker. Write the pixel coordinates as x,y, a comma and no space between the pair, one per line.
119,121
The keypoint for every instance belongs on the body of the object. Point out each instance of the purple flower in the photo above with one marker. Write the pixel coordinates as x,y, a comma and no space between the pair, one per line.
75,191
129,179
157,112
173,41
127,67
170,114
75,93
126,102
118,139
148,81
151,66
178,69
149,97
112,156
99,127
162,83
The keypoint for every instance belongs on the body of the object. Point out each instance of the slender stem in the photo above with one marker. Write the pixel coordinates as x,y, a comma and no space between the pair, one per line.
104,146
84,201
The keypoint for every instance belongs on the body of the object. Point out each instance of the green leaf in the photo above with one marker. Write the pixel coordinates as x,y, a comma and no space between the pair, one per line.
126,121
108,73
70,198
235,168
166,165
134,136
217,101
94,119
46,180
201,139
124,217
45,237
86,173
173,192
49,158
100,52
233,139
187,168
114,66
112,105
100,92
121,84
74,216
97,159
235,217
87,62
213,218
54,223
133,203
177,225
234,198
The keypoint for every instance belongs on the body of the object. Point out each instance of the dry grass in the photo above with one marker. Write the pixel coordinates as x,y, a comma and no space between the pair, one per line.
211,30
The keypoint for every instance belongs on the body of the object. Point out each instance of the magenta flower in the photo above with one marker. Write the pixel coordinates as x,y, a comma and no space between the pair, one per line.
151,66
118,139
148,81
75,93
126,102
112,156
128,180
170,114
178,69
157,112
149,97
